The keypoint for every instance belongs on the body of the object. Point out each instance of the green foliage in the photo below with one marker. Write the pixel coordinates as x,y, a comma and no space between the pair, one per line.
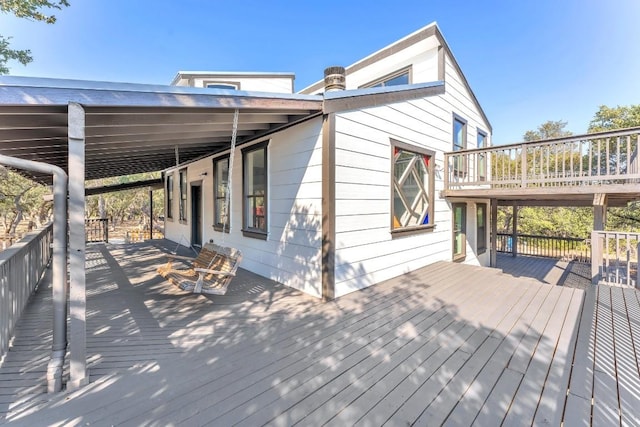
607,118
547,130
33,10
21,198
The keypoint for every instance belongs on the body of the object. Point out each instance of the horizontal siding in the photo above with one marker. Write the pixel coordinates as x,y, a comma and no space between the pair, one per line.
292,252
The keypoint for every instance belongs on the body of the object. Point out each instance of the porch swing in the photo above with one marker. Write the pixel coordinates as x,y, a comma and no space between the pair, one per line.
215,266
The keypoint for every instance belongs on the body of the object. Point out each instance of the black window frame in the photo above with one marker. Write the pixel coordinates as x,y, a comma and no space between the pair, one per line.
247,230
217,197
419,151
169,190
463,231
460,163
182,214
481,228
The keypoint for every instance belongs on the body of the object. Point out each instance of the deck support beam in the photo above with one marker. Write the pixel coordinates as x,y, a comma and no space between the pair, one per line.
494,234
77,249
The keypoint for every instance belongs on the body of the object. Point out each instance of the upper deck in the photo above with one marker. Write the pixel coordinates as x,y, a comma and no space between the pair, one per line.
569,170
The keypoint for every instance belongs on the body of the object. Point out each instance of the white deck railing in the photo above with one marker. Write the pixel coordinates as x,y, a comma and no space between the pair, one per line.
615,258
584,160
21,267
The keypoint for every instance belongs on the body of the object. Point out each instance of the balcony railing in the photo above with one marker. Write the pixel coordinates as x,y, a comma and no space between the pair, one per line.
21,267
586,160
615,258
96,230
565,248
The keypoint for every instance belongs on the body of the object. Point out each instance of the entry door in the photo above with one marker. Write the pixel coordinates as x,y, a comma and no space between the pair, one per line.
196,215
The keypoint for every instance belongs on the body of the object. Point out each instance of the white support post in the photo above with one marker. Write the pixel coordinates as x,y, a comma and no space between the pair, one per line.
514,231
494,233
77,247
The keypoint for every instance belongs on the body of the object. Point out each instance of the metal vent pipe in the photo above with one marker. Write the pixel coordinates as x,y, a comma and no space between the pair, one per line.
334,79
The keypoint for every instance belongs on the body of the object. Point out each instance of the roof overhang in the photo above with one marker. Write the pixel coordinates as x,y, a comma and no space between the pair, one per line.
134,128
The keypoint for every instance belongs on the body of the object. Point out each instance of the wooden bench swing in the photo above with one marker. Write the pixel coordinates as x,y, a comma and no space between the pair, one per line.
215,266
210,272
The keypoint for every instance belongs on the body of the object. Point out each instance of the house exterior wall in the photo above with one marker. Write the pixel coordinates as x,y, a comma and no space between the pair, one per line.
366,250
291,254
250,83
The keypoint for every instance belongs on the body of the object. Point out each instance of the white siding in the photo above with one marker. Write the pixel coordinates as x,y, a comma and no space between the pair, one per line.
366,251
292,252
275,84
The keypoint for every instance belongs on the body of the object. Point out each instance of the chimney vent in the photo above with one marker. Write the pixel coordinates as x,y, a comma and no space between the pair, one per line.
334,79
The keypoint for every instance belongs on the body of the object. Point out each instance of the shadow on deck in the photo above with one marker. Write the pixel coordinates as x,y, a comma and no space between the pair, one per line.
552,271
448,342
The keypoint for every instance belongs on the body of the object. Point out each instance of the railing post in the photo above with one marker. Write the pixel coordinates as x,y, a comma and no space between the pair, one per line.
523,165
514,232
596,257
446,171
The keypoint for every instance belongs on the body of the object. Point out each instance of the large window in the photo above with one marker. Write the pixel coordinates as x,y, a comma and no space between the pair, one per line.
482,157
254,169
459,231
412,189
183,195
220,183
400,77
459,143
481,228
170,196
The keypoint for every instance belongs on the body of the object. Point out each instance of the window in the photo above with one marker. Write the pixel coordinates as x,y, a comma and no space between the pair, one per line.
400,77
183,195
459,231
412,188
459,143
254,171
170,196
220,182
481,228
482,157
214,85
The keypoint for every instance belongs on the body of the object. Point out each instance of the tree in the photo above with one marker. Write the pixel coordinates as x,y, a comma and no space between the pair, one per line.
607,118
547,130
33,10
21,198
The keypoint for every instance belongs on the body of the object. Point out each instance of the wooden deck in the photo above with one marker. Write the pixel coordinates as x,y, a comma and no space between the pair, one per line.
547,270
448,344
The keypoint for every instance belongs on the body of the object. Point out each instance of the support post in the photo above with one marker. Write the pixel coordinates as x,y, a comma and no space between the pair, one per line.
494,233
150,214
599,211
596,257
77,248
514,231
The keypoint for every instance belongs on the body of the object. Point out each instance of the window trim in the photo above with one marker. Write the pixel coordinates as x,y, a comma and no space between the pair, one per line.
465,130
169,188
220,227
482,157
250,231
183,216
481,249
430,191
461,256
236,85
408,70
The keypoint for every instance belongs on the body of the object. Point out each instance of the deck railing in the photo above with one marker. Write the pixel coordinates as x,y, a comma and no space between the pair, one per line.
21,267
615,258
566,248
592,159
96,229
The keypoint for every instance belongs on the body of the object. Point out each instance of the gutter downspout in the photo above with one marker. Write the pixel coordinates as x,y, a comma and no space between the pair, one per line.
59,264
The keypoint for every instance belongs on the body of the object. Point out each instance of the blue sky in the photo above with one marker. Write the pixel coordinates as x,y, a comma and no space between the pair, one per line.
527,61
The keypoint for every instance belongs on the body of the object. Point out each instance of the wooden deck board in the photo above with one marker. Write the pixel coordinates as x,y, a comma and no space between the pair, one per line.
430,346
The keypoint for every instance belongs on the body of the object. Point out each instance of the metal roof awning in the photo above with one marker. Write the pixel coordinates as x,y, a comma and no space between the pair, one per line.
134,128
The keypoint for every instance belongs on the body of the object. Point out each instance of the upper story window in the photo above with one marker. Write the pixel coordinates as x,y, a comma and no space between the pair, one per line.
220,201
459,143
413,187
254,174
170,196
400,77
482,157
215,85
183,195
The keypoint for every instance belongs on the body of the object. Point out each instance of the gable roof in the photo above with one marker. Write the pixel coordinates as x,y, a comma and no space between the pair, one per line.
413,38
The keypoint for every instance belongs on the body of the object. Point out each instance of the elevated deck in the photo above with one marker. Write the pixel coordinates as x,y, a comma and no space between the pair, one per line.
567,171
449,343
